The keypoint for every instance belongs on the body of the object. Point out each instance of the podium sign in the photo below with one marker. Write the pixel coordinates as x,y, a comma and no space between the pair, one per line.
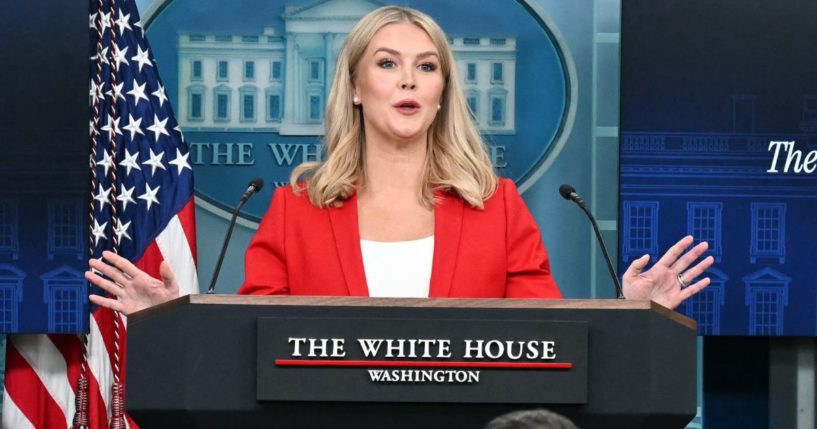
422,360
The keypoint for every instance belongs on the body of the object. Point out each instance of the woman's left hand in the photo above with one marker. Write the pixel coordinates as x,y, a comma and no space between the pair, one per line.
669,281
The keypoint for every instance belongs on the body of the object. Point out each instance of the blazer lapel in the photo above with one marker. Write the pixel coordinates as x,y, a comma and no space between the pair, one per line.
447,230
347,239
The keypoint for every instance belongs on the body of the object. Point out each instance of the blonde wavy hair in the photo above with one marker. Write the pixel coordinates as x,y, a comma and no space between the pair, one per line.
456,158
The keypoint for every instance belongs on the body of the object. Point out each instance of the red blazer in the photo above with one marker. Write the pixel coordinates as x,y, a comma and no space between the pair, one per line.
496,252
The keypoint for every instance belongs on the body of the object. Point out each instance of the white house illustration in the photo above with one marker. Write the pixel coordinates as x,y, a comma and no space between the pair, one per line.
11,295
767,295
64,290
274,82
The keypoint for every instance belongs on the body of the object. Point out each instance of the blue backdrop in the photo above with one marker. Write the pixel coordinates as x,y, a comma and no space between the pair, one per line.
706,87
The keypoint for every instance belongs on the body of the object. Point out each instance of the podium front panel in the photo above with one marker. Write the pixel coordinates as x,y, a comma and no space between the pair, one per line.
194,363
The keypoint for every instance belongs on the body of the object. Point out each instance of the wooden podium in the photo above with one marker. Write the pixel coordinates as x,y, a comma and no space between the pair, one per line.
202,361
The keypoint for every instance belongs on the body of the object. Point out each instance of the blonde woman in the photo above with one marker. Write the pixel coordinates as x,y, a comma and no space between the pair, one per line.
407,203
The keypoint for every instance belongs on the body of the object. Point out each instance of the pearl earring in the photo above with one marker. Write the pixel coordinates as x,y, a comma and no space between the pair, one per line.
355,100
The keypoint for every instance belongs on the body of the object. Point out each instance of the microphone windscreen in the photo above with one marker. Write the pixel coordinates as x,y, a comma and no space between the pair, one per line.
256,183
565,190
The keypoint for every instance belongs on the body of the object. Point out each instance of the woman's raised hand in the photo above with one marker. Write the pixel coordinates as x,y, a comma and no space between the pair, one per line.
133,289
669,281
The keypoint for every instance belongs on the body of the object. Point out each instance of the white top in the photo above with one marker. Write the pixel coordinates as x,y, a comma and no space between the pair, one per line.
398,269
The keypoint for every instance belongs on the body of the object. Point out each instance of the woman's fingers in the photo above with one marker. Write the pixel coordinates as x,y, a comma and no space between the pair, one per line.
109,271
123,264
693,273
675,251
131,288
661,282
109,286
693,289
168,278
637,266
690,257
113,304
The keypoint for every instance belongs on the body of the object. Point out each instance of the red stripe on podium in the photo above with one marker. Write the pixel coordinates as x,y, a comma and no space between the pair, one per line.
423,364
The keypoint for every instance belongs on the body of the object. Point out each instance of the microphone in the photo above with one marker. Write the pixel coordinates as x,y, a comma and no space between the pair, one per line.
254,186
569,193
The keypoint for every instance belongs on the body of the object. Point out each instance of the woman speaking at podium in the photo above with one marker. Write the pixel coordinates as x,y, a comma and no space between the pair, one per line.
406,203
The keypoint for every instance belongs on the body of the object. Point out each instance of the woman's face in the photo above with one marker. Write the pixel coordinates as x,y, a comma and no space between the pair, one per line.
399,84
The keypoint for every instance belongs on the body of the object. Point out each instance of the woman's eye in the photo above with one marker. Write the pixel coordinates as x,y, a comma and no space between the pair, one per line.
387,64
428,67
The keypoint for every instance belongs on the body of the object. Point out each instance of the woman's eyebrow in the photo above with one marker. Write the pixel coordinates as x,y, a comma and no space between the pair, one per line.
397,53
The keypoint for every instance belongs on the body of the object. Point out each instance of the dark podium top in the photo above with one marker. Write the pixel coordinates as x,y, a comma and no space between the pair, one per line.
199,361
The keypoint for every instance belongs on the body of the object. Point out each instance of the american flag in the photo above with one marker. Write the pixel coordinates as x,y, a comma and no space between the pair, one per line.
141,206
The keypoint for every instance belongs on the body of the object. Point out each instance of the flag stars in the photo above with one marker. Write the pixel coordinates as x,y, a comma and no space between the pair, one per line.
121,230
107,162
126,197
100,92
158,127
142,57
105,20
103,196
98,231
116,91
181,161
95,92
112,127
155,161
160,94
178,129
134,127
119,55
118,112
138,92
130,162
123,22
101,56
150,195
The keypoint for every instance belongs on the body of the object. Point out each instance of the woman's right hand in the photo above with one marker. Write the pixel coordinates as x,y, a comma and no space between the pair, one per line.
132,288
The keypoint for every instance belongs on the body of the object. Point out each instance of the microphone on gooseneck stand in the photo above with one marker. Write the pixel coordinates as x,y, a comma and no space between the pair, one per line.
569,193
254,186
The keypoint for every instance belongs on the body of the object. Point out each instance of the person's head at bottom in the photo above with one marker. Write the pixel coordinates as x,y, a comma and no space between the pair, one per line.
531,419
